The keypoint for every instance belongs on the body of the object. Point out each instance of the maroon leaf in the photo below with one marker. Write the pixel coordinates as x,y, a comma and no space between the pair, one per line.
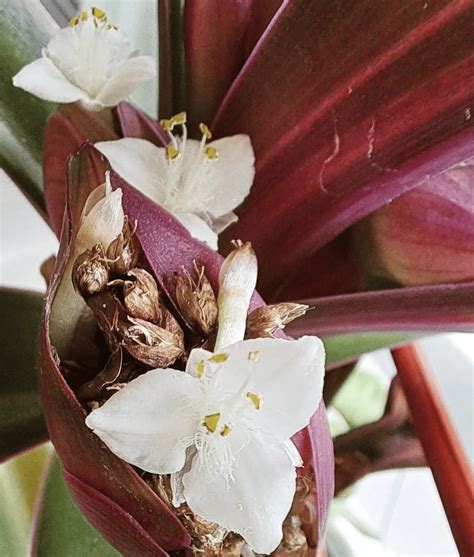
346,118
135,123
66,131
218,38
435,243
445,307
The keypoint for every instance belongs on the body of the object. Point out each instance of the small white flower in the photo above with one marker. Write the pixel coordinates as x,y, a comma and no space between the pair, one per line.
222,428
200,183
88,61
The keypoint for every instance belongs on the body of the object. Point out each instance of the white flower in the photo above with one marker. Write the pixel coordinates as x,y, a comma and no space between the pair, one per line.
222,428
88,61
233,414
199,183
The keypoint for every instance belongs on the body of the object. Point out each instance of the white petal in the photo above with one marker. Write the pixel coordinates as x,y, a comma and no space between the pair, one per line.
103,222
227,180
221,223
198,228
152,420
140,163
256,500
43,79
125,79
287,375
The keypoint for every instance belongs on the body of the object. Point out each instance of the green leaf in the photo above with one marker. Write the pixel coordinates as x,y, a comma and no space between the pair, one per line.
21,418
25,28
345,348
20,481
62,529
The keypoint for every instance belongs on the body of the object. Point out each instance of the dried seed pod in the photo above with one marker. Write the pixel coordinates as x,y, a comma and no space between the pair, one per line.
90,272
123,252
197,302
265,321
141,296
151,344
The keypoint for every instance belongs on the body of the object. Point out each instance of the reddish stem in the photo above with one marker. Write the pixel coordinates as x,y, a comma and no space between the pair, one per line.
443,451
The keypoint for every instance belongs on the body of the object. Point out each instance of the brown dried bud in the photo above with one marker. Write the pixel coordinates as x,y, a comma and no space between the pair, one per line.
265,321
141,296
90,272
123,252
151,344
111,316
197,302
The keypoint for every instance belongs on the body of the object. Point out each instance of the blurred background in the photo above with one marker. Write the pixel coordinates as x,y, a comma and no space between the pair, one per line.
387,513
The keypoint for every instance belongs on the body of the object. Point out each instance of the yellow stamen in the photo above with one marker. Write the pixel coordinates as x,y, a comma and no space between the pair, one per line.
167,125
226,430
211,153
211,421
99,14
205,130
171,152
256,400
219,358
201,368
112,26
83,16
179,119
73,21
254,355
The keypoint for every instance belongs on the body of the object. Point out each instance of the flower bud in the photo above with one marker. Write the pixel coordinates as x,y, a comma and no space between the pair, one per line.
197,302
152,345
141,296
90,272
425,236
123,252
237,280
265,321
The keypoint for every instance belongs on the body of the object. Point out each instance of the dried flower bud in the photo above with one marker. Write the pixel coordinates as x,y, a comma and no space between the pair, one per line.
124,251
168,322
141,296
265,321
90,272
151,344
197,302
237,280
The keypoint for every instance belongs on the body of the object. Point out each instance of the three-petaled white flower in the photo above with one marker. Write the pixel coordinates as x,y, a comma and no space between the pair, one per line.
200,183
222,428
88,61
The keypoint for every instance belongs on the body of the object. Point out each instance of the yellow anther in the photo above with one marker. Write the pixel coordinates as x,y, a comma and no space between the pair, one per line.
201,368
83,16
73,21
226,430
171,152
99,14
205,130
179,119
256,400
112,26
211,153
254,355
219,358
211,421
167,125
